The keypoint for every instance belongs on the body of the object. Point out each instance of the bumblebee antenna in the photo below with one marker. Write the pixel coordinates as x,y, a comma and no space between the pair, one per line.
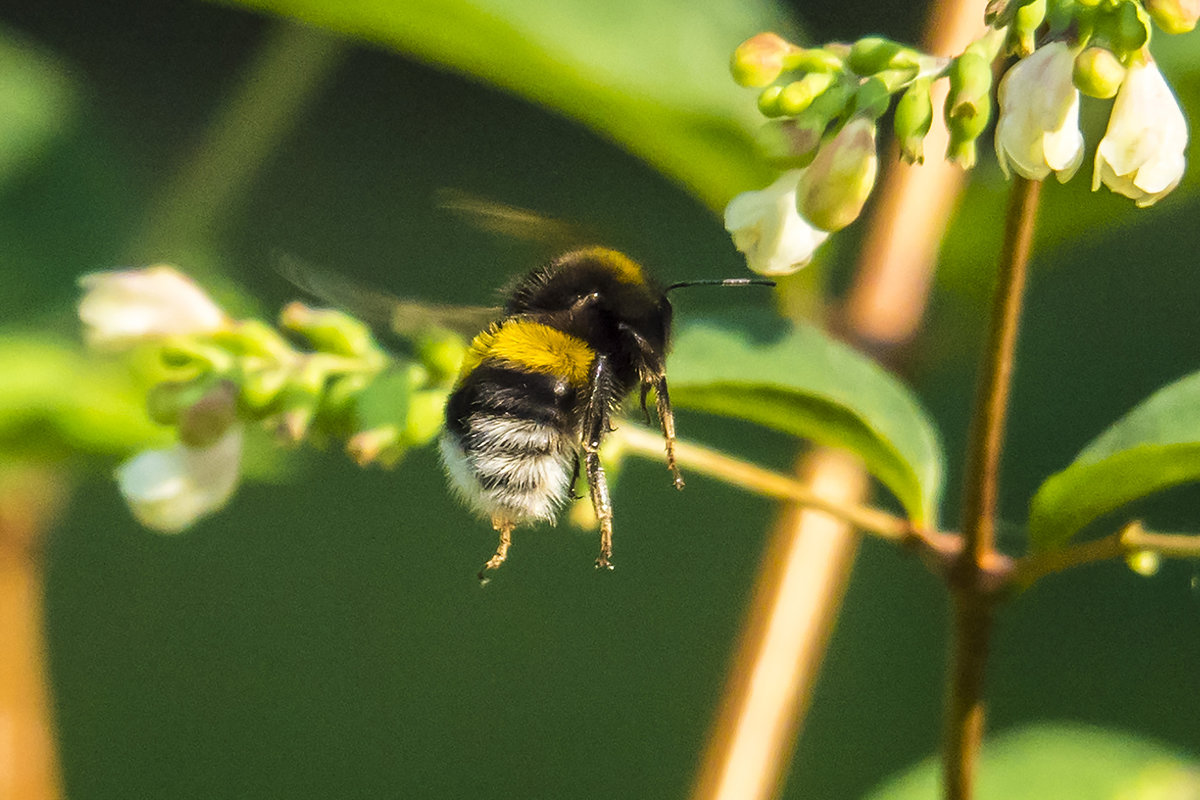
722,282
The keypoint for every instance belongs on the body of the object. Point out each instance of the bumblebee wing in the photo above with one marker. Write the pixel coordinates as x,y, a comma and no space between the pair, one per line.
405,318
513,222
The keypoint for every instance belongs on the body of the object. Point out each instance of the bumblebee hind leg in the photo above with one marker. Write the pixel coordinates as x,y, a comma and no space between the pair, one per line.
504,527
666,418
602,503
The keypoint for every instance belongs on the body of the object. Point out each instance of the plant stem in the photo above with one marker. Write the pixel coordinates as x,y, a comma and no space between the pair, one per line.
973,593
763,481
1133,538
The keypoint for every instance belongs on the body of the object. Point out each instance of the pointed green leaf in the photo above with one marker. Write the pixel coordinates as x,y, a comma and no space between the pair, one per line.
798,380
1153,447
651,75
1064,762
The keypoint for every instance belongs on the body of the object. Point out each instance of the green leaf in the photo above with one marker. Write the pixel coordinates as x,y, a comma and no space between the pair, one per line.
798,380
1064,762
1153,447
650,74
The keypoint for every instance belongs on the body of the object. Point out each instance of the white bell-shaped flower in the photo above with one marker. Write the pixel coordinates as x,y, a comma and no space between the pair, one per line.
168,490
1142,153
124,307
766,227
1038,129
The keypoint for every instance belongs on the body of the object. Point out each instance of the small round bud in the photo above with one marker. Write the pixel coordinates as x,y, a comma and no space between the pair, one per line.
814,59
872,98
799,95
261,386
1144,562
968,106
1174,16
759,60
912,120
1098,73
768,101
833,190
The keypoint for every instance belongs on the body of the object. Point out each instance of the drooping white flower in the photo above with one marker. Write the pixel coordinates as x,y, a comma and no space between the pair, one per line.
1038,130
123,307
766,227
168,490
1142,153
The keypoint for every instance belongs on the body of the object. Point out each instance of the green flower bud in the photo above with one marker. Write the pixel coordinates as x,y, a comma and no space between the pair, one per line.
799,95
1174,16
255,338
759,60
912,120
768,101
298,402
873,54
968,106
329,330
1098,73
1027,19
815,59
192,353
261,386
834,188
872,98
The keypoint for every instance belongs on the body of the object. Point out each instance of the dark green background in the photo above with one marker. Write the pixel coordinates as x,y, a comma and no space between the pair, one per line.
325,636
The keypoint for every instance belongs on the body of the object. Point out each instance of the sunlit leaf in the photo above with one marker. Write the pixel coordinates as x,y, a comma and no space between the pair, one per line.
653,76
1153,447
800,381
1064,762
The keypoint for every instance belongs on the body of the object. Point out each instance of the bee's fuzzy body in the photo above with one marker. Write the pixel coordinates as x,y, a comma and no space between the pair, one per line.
538,388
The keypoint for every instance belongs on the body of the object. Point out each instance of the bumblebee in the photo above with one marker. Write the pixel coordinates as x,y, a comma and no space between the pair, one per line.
540,385
538,390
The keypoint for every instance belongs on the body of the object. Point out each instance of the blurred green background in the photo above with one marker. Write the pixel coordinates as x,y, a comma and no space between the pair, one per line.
325,636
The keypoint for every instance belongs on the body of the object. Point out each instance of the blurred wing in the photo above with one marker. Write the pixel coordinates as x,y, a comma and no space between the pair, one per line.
406,318
513,222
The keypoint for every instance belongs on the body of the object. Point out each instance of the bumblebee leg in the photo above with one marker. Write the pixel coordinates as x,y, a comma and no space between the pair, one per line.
602,503
505,528
645,411
575,479
595,424
666,418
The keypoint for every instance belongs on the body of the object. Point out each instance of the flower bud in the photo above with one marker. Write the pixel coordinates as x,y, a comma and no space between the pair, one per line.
383,445
768,101
426,415
1098,73
261,386
799,95
442,354
873,54
1027,19
1128,27
833,190
1174,16
968,106
813,59
912,120
329,330
759,60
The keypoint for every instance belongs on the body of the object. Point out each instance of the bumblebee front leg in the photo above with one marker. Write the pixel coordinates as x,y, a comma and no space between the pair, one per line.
595,426
666,418
505,528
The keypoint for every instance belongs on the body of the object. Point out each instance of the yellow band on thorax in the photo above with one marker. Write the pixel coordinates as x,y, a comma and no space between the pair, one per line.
532,346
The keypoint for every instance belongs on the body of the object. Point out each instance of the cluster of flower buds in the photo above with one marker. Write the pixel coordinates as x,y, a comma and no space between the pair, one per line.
220,374
823,105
